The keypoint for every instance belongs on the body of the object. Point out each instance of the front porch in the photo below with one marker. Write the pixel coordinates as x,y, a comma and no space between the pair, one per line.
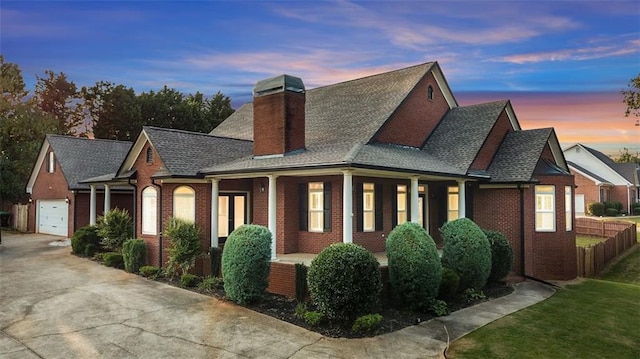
306,258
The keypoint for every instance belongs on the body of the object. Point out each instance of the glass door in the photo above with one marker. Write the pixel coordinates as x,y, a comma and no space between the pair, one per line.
232,213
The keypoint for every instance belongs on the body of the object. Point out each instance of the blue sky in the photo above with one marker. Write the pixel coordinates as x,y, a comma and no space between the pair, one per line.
533,52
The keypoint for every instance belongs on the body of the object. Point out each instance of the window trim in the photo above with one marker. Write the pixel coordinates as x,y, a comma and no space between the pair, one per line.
319,211
539,192
568,208
51,162
369,189
149,211
453,191
190,195
402,189
430,93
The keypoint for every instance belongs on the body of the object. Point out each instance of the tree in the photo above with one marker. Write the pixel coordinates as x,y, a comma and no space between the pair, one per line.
113,111
625,157
218,109
55,94
631,97
11,85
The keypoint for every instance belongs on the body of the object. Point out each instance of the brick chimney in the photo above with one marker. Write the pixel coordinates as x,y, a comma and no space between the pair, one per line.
278,116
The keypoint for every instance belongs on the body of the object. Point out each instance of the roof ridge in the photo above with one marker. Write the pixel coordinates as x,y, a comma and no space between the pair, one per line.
374,75
86,138
193,133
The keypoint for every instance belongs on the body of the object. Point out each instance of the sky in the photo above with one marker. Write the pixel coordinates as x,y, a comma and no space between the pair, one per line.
561,63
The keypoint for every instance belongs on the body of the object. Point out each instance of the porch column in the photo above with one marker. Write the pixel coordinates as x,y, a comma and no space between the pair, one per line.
92,206
107,199
272,213
214,212
347,206
426,207
414,199
462,199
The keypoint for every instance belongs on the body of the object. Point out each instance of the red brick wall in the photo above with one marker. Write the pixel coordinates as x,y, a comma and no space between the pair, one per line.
547,153
81,203
417,113
282,279
622,195
493,141
587,187
313,242
279,118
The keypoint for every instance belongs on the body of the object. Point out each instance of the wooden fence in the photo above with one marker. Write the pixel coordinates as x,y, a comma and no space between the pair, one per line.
619,235
20,215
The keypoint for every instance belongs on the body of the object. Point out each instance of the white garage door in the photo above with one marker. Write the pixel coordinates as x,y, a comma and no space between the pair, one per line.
579,205
53,217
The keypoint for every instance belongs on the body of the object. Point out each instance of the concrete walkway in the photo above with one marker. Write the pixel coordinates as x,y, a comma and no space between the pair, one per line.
55,305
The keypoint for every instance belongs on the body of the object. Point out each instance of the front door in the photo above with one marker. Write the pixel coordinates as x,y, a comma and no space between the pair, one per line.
232,213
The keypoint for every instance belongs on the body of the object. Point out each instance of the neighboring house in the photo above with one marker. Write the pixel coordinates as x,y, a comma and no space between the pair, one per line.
348,162
600,179
59,204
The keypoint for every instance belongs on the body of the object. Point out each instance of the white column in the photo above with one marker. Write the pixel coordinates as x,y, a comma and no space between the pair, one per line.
347,206
414,199
92,206
426,207
107,199
272,213
214,212
462,199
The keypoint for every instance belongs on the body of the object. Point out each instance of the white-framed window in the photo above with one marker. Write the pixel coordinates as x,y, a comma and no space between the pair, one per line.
368,207
545,208
149,211
316,207
51,163
184,203
453,197
402,203
421,203
568,208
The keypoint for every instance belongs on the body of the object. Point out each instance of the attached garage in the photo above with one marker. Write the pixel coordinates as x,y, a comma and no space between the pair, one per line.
53,217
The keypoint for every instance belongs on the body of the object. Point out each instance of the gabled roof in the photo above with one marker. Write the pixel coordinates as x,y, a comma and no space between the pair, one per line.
461,133
81,158
519,154
618,173
585,172
629,170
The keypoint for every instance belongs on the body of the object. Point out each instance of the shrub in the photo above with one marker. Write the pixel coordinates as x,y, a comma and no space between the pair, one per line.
184,247
466,250
301,282
596,209
438,307
85,241
150,271
501,255
115,227
215,257
134,253
344,280
113,259
210,283
245,263
449,283
366,323
313,318
635,209
473,295
189,280
300,310
414,264
611,212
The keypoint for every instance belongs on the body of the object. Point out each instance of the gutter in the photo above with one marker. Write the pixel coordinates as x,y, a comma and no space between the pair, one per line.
135,206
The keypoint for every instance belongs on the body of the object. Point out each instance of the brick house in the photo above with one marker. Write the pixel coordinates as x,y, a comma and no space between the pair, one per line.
383,149
59,203
600,179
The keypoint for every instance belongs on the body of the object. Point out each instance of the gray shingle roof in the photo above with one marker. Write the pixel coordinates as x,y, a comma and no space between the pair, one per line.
186,153
587,172
629,171
82,158
462,132
518,155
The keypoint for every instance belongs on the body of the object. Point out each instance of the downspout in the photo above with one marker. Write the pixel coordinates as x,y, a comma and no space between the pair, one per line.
153,182
135,206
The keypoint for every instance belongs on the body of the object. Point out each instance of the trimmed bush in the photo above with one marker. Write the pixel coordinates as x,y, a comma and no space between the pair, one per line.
113,259
449,283
501,255
189,280
246,263
596,209
115,227
210,283
467,251
85,241
610,212
184,247
367,323
301,282
150,271
414,264
635,209
345,282
134,253
438,307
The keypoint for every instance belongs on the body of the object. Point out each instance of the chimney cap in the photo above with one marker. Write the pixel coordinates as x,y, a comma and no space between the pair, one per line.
279,84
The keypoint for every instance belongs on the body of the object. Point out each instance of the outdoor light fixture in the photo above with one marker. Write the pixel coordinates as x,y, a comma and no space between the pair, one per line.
66,200
30,200
261,186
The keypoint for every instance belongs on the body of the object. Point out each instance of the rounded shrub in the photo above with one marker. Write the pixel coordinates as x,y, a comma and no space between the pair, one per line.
113,259
246,262
449,284
344,281
596,209
501,255
134,254
85,241
610,212
466,250
414,264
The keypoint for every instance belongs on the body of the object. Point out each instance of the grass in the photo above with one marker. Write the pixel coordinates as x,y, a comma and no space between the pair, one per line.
634,219
597,318
586,241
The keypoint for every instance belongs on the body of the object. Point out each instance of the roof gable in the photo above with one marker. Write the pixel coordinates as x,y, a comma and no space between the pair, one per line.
598,163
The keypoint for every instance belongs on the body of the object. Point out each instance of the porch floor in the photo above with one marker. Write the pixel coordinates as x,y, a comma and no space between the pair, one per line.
306,258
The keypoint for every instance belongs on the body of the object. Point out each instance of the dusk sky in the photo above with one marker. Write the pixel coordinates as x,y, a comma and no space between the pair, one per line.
562,63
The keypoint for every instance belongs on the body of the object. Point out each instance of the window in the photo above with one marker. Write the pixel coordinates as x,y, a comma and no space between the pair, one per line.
568,208
545,209
316,207
149,211
184,203
402,204
368,207
452,203
51,162
149,155
430,92
421,202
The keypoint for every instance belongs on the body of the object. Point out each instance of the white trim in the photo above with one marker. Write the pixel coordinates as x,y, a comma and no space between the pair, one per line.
462,199
347,206
414,198
443,85
272,214
512,117
602,167
501,186
596,181
92,206
134,153
214,212
107,199
36,168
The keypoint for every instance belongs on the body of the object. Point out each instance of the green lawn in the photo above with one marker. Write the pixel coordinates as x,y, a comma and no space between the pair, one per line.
586,241
598,318
635,219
